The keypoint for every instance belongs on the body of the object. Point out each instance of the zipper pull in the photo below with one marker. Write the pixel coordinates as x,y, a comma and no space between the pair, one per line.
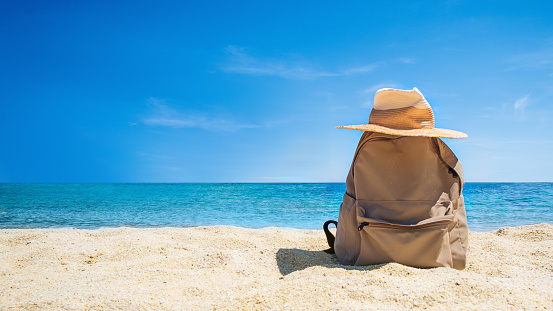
363,224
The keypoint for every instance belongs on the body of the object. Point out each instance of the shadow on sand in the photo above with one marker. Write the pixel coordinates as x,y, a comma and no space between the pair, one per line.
292,259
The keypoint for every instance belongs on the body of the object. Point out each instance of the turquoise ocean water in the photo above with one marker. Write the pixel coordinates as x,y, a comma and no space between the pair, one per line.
304,205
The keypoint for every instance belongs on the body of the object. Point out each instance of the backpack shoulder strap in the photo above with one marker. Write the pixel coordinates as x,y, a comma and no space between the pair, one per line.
449,159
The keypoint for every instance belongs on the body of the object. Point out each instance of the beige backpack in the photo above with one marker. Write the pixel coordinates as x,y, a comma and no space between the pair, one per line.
403,203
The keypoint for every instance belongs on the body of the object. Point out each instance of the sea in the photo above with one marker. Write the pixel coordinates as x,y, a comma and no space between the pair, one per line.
489,206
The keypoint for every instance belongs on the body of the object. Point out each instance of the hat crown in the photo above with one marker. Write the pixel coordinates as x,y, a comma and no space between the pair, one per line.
401,110
389,98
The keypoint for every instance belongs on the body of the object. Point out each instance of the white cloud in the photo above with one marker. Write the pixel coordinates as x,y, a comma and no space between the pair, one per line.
359,70
406,60
520,105
534,60
163,115
242,63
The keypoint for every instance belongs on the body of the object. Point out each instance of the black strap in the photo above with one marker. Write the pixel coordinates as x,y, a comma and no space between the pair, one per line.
329,237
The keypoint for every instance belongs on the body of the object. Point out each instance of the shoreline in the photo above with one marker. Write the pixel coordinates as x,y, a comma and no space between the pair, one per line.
227,226
224,267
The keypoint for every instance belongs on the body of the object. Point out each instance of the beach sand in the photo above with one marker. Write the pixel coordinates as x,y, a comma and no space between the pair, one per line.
272,268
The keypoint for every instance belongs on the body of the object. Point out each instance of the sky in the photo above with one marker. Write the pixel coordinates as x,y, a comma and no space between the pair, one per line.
251,91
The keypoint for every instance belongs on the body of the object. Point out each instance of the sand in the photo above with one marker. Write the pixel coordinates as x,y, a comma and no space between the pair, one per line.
255,269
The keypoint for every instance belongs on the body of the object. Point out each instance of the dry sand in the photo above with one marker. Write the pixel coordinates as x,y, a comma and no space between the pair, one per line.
272,268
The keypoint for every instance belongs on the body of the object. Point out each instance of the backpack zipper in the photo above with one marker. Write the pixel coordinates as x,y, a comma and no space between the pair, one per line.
362,225
403,227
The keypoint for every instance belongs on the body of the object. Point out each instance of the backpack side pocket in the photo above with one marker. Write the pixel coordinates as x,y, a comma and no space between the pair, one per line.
346,244
422,245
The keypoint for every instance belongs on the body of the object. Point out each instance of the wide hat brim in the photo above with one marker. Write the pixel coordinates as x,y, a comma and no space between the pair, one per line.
423,132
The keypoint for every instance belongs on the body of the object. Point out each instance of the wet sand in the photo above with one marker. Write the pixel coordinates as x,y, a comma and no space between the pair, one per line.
254,269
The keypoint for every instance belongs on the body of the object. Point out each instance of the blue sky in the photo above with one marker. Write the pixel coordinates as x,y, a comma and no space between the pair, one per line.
251,91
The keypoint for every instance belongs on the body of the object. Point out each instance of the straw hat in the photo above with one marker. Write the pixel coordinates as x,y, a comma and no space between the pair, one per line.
403,113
